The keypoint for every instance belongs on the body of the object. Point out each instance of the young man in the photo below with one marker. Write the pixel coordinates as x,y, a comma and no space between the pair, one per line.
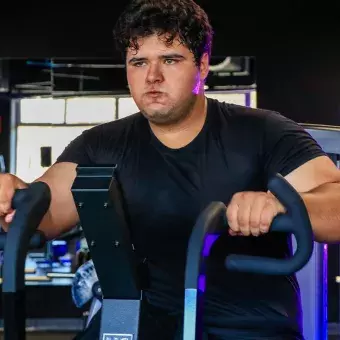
179,153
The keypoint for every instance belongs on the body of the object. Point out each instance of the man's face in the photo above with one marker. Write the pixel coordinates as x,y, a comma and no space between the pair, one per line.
164,80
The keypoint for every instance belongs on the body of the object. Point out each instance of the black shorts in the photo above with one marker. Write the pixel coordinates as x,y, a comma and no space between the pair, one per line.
160,324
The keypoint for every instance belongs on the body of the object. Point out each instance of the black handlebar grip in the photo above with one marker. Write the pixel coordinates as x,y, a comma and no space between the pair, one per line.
295,221
18,198
2,241
30,204
38,240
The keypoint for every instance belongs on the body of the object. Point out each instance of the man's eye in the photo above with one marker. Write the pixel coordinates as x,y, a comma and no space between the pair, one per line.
170,61
139,64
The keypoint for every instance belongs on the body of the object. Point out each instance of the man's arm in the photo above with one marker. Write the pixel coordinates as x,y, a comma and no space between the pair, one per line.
318,182
289,150
62,215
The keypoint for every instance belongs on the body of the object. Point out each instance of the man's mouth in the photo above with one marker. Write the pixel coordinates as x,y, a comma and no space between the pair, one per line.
154,94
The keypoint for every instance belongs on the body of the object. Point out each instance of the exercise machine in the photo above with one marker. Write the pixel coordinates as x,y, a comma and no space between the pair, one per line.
123,301
107,233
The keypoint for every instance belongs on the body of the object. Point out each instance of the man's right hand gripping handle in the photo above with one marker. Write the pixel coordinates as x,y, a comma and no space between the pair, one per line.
8,184
62,215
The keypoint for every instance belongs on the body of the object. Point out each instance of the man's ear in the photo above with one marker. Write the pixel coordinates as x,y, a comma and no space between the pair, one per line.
204,66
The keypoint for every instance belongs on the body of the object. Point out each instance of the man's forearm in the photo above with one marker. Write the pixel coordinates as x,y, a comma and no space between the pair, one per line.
55,224
47,226
323,205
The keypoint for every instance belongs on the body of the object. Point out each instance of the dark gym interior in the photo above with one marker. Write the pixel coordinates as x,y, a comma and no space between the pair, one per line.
288,63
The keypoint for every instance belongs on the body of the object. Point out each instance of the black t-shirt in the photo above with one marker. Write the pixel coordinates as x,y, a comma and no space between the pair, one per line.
238,149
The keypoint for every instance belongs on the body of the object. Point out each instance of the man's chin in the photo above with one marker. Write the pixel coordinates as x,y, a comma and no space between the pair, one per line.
158,118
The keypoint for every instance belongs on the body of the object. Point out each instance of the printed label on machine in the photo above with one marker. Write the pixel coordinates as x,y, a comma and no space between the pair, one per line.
117,336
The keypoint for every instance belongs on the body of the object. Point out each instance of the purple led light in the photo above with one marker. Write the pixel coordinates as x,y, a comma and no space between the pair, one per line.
208,242
201,283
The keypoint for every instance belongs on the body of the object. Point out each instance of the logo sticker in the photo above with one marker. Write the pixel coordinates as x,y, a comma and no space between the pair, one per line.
112,336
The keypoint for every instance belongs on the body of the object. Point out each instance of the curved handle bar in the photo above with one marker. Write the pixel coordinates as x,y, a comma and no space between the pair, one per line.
31,205
38,240
209,222
19,198
295,221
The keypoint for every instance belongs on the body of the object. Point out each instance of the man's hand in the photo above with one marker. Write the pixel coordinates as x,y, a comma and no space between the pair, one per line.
8,184
251,213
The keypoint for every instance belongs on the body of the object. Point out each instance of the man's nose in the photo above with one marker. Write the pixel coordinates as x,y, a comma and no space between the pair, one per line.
154,74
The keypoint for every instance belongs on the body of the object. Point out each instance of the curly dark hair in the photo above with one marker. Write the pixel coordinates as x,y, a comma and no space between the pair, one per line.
168,18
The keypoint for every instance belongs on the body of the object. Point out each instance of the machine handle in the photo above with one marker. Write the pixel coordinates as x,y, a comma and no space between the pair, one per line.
31,205
38,240
209,222
19,198
295,221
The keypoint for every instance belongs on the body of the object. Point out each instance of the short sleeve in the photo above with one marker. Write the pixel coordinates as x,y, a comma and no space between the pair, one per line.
286,145
76,151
